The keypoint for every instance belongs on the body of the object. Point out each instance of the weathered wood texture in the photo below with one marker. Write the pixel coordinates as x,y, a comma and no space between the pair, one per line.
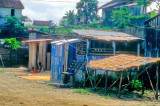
32,55
48,60
154,22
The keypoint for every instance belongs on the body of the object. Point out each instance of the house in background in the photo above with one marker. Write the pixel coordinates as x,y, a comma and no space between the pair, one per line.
11,8
133,7
41,23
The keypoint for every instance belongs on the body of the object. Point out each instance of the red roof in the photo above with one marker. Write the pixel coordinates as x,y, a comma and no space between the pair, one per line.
11,4
37,40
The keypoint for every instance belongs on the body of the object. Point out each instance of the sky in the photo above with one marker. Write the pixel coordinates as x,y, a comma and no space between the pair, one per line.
49,9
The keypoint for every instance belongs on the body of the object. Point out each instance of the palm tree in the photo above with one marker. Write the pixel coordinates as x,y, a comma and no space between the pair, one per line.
70,16
87,9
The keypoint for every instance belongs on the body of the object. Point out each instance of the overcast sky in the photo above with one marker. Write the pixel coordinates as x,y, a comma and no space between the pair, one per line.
49,10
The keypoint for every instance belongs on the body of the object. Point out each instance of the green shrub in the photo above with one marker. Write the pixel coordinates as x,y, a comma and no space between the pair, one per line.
136,84
94,24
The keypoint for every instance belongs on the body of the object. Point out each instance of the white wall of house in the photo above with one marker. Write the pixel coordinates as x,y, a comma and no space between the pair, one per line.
7,11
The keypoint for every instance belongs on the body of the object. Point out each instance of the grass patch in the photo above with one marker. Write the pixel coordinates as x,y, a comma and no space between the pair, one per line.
1,71
148,92
106,97
49,84
83,91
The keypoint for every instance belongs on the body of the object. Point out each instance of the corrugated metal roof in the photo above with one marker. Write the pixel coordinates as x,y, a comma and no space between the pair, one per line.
121,62
60,42
106,35
37,40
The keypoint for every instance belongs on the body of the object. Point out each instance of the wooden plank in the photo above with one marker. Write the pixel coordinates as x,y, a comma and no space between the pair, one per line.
48,60
30,56
114,48
34,58
40,52
138,49
44,56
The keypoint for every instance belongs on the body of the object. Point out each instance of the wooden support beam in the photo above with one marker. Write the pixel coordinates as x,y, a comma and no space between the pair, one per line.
114,83
135,78
40,52
114,48
32,55
157,82
95,79
151,83
44,55
106,81
120,83
48,61
138,49
89,78
85,79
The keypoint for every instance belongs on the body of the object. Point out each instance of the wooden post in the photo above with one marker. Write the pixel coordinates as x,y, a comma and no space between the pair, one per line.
114,48
40,52
120,83
44,55
32,55
48,61
106,81
87,52
85,79
157,74
95,79
138,49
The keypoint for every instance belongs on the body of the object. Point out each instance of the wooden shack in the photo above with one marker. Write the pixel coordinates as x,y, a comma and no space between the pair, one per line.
39,53
124,64
70,56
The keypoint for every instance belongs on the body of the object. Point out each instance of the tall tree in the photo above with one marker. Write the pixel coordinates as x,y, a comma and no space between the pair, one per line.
25,19
87,9
69,16
121,17
13,26
145,3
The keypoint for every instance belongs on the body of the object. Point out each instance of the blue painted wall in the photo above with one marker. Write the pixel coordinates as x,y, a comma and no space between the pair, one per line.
57,62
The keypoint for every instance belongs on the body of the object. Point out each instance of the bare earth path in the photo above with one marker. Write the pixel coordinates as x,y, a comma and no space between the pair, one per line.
15,91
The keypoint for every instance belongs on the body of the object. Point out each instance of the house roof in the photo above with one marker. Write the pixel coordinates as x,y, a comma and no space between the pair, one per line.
121,62
38,40
114,2
60,42
106,35
11,4
41,23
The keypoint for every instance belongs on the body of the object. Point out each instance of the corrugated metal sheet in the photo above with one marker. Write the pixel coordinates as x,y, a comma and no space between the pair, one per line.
60,42
57,62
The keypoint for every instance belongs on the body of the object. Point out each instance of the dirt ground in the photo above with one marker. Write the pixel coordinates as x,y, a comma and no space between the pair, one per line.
16,91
